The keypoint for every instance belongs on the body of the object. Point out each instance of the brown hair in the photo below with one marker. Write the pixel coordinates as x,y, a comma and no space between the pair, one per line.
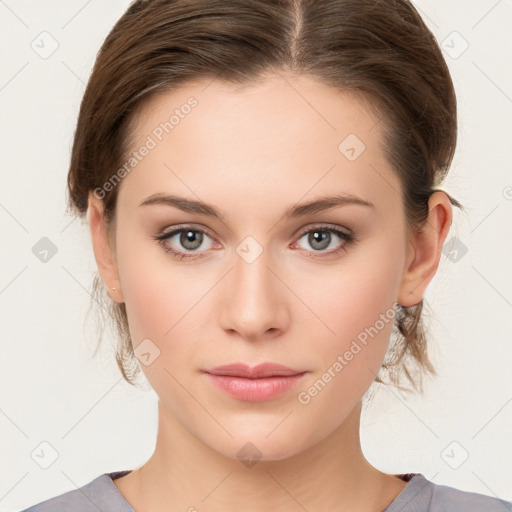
380,50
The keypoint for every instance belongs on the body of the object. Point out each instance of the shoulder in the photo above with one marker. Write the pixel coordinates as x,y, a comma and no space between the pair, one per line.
422,495
98,494
443,495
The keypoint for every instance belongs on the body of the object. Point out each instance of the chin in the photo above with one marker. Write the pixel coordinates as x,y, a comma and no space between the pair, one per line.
251,445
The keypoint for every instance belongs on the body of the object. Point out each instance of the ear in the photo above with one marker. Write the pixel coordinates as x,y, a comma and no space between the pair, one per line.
425,250
104,252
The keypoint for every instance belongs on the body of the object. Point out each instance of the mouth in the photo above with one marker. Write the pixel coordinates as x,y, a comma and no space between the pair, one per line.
256,372
254,384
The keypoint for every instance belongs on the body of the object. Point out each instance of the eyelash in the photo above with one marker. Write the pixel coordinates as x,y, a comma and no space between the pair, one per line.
348,238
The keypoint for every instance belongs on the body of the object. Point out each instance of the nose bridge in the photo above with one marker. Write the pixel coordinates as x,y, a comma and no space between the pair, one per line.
254,299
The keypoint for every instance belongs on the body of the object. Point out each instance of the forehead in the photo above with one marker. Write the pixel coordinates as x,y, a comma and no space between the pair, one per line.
286,133
288,105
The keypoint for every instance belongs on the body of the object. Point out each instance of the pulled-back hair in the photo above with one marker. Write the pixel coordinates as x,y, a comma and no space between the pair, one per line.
380,50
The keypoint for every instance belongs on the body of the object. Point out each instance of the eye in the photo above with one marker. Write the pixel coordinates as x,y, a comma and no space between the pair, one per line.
184,237
184,242
323,237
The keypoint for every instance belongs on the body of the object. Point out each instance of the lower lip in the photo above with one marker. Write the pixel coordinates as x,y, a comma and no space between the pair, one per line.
255,390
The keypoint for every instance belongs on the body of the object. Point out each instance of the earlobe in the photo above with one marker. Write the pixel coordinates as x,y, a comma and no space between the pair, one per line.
104,253
424,256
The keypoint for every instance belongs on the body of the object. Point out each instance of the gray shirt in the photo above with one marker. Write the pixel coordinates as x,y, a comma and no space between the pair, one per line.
419,495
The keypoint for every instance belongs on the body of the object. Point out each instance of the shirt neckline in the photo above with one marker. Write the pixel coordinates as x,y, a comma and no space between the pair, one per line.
415,483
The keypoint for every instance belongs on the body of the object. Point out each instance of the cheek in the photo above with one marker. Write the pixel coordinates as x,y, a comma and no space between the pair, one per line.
359,310
148,292
161,299
356,309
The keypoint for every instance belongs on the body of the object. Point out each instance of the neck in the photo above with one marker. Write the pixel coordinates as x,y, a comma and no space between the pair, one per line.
185,474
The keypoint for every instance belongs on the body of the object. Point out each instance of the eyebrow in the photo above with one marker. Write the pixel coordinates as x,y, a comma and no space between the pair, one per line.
201,208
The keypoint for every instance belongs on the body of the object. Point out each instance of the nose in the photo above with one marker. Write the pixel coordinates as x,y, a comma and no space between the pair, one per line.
255,300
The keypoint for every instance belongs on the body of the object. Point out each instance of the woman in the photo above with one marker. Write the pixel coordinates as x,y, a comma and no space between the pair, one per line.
261,180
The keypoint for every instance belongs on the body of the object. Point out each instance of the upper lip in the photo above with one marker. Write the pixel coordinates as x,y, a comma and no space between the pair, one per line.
259,371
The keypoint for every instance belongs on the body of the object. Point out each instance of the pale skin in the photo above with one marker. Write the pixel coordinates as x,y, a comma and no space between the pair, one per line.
252,153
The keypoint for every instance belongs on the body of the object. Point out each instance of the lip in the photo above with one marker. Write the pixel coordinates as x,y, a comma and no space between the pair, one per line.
254,384
255,372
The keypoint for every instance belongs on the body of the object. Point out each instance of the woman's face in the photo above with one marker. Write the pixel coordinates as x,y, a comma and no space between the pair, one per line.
268,280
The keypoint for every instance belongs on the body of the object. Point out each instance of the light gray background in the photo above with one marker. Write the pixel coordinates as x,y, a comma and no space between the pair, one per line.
53,391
